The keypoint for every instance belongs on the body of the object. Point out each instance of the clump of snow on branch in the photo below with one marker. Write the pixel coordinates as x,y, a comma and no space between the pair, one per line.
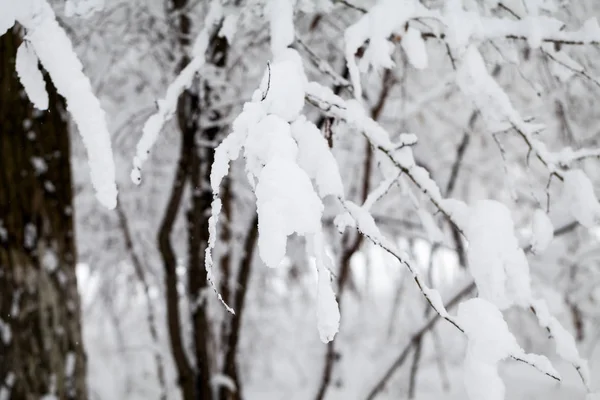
287,204
285,154
489,342
316,159
477,84
497,263
31,77
47,41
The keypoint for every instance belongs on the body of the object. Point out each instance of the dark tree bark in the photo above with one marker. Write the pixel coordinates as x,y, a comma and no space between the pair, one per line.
41,350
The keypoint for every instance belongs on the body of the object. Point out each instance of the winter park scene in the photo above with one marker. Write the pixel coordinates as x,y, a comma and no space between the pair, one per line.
299,199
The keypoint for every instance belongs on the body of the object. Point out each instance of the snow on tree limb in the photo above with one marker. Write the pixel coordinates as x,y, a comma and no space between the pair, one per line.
50,44
288,164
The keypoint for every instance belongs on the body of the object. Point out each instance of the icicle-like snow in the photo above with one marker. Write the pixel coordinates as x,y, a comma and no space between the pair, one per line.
496,261
328,312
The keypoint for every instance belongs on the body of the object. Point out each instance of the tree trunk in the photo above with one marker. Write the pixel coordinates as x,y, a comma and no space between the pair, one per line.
41,350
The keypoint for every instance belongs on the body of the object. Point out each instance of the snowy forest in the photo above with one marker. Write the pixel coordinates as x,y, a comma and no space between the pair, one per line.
299,199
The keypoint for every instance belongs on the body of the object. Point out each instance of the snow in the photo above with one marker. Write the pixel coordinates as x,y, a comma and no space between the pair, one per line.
229,27
287,204
39,165
380,191
270,138
489,342
542,231
31,77
7,16
46,39
328,312
231,146
564,341
496,261
578,193
281,20
415,49
316,159
7,385
283,85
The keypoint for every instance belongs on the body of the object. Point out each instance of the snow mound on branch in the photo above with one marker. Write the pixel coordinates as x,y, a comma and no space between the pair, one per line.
287,204
47,40
282,89
328,312
271,137
489,342
315,158
496,261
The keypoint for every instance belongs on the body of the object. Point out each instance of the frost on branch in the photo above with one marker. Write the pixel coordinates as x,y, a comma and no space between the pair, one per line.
49,42
31,77
316,159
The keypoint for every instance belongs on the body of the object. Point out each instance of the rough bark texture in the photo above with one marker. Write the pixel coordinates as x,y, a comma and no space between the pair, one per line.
40,330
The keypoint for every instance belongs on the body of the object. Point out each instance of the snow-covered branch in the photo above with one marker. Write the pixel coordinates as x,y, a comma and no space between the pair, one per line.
46,41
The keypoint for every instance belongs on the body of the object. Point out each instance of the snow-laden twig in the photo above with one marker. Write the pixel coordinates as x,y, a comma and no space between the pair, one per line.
168,105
